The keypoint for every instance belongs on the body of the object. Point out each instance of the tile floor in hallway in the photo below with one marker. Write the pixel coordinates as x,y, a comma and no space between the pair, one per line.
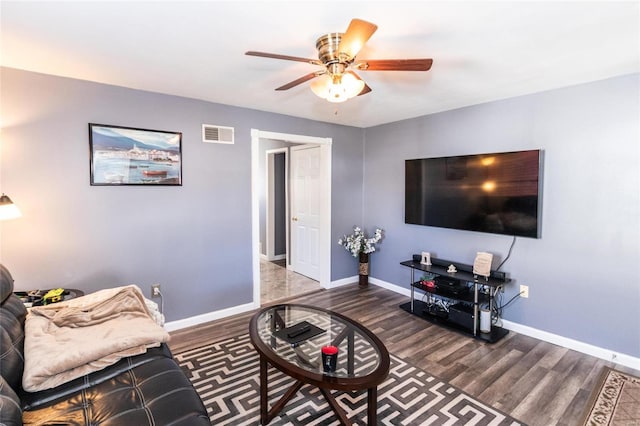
277,283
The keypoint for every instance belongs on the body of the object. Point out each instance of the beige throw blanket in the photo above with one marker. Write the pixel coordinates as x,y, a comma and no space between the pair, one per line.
67,340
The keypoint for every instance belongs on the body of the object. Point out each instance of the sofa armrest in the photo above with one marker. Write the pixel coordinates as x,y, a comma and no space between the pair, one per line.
12,317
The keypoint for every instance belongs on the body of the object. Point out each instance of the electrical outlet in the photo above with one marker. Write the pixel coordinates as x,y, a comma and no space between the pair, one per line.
524,291
155,290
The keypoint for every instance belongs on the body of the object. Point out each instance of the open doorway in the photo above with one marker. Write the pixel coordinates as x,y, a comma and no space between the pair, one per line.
276,208
279,280
265,248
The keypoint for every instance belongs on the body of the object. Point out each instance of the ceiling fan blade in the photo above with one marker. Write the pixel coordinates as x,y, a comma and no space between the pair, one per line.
285,57
394,65
357,34
301,80
366,89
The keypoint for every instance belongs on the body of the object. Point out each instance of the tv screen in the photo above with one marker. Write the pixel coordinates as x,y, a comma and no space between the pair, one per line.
496,193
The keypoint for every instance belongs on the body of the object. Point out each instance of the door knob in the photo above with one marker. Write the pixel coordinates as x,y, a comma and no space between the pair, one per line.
295,219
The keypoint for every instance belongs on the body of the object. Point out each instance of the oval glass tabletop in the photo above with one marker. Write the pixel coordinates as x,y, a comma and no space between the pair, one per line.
297,333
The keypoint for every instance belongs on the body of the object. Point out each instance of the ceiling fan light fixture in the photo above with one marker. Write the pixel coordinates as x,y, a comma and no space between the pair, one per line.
353,85
337,93
320,86
338,87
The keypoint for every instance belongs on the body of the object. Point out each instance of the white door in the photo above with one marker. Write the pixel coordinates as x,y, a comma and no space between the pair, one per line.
305,210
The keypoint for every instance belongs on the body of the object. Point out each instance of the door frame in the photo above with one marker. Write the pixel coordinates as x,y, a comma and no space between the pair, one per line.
270,204
325,202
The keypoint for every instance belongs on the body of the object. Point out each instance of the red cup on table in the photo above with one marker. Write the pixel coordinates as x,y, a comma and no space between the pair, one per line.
329,358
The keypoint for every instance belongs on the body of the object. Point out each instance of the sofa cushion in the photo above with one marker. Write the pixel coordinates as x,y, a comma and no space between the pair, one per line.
36,400
154,393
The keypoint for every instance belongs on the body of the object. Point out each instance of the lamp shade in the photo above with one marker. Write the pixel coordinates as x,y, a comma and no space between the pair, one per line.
337,93
8,210
353,85
337,88
320,86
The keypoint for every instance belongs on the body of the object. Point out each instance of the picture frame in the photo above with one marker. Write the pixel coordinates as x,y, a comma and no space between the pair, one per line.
426,259
121,156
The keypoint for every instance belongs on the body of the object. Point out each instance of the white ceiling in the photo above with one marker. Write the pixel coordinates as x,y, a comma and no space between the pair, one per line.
482,51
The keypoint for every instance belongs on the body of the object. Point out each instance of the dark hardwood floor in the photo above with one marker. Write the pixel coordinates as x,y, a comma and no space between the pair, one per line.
536,382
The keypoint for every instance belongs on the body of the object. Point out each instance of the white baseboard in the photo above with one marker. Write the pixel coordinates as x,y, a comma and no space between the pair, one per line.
585,348
209,316
344,281
273,258
375,281
389,286
576,345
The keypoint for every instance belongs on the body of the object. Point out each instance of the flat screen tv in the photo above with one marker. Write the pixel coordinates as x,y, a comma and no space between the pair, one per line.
496,193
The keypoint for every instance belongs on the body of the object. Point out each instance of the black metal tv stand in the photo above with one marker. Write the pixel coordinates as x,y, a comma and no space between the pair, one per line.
479,291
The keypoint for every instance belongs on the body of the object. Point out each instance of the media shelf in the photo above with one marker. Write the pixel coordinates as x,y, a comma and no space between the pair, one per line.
479,291
467,297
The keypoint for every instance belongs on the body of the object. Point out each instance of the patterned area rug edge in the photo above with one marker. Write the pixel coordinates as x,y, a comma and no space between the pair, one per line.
607,394
229,385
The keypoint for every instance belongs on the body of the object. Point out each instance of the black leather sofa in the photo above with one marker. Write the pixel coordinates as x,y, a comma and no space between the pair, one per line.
148,389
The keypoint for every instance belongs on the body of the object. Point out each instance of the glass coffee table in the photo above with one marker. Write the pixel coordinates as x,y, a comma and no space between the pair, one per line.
290,338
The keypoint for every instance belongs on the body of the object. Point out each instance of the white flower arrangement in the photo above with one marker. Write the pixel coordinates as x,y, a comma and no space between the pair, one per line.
357,243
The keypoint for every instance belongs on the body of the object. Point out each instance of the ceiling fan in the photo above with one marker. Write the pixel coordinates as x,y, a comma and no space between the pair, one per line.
337,80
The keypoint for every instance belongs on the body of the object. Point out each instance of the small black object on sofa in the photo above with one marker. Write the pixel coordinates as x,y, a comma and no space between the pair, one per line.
147,389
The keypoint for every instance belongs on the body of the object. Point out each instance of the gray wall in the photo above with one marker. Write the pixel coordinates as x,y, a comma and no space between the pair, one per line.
280,204
582,273
195,240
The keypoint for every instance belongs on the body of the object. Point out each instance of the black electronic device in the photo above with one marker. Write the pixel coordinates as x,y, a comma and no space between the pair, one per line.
451,286
436,311
298,332
495,193
461,314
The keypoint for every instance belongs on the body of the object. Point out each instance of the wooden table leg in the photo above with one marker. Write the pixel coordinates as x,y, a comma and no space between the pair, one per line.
372,406
342,415
278,406
350,353
264,394
267,415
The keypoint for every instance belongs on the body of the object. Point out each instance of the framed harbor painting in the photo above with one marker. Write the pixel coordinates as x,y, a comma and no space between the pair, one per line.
129,156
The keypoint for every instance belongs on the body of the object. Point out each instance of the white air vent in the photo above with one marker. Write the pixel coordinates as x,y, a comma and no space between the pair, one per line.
217,134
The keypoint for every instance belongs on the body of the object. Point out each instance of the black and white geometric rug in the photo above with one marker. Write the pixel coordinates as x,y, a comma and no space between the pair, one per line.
226,375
